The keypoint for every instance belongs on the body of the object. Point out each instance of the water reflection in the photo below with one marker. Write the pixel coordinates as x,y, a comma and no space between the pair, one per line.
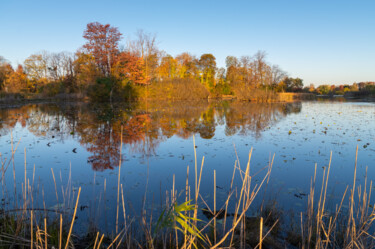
98,127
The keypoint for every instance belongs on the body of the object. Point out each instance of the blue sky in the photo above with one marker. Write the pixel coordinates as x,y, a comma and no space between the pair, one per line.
322,42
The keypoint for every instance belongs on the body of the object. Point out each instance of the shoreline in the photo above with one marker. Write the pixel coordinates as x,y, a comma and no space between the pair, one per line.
21,100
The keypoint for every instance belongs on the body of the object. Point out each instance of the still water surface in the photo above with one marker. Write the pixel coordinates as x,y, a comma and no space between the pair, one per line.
84,140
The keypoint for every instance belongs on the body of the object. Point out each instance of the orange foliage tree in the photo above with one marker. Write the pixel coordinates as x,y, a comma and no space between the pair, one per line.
85,70
16,81
102,43
129,68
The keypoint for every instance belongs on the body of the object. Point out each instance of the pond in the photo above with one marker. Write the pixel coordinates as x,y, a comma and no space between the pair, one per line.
67,146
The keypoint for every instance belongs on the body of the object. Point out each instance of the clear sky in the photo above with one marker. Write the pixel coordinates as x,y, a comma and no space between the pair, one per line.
322,42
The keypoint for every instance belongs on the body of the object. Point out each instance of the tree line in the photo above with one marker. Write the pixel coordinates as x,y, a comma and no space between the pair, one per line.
104,70
355,89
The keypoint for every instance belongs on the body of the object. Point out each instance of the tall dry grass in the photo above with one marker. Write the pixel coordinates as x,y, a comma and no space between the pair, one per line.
25,225
343,228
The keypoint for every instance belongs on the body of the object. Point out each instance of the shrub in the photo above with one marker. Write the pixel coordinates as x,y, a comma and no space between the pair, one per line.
110,89
102,90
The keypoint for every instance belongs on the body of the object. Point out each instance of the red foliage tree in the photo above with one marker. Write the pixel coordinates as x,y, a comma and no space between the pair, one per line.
102,43
131,67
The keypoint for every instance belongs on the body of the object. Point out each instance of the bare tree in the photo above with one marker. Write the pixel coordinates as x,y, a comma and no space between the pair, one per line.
277,74
260,66
145,46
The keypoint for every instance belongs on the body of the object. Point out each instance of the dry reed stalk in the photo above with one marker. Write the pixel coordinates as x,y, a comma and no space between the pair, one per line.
237,219
74,216
92,212
38,237
30,194
208,223
215,206
303,244
196,170
186,199
60,234
14,168
118,235
197,185
25,190
244,185
100,242
2,175
242,215
31,229
105,201
270,163
261,233
96,239
326,183
349,231
54,181
238,163
359,220
11,160
173,199
268,232
33,178
189,215
310,208
230,193
118,184
318,215
45,233
120,241
332,224
44,203
321,205
123,205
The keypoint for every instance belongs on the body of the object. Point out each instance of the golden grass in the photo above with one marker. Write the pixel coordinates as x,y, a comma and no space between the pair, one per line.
290,97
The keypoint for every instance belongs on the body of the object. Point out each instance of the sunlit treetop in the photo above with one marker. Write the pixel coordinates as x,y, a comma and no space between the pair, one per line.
102,43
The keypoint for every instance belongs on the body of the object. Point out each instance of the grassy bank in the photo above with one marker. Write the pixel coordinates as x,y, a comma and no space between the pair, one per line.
290,97
179,224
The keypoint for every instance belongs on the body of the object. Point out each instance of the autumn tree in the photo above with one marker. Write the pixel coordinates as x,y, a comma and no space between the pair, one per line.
246,71
240,71
145,47
261,68
207,65
232,65
167,68
323,89
60,66
277,75
187,66
16,80
85,70
293,84
129,68
102,43
5,70
36,67
354,87
220,76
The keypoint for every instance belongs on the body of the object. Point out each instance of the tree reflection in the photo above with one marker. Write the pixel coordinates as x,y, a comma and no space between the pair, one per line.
98,128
